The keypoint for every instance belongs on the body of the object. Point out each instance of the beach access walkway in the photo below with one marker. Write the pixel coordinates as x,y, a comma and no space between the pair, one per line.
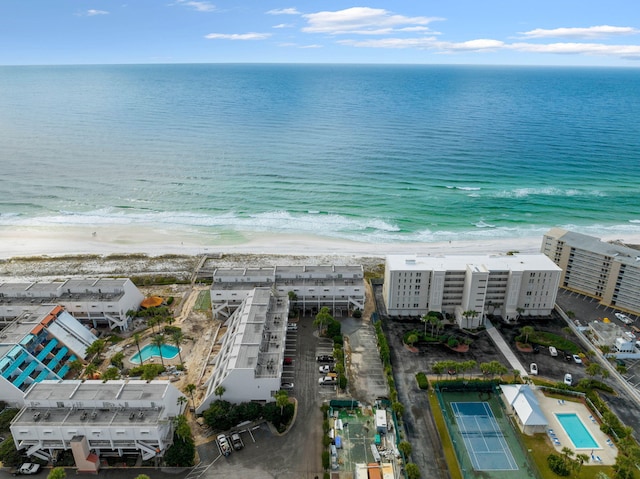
504,348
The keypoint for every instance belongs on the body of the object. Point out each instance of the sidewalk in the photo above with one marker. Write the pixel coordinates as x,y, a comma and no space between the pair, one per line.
505,349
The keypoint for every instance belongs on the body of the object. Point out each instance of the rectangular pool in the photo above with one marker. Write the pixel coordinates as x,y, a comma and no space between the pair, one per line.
577,431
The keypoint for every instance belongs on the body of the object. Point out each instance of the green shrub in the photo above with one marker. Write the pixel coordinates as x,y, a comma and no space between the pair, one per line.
326,460
170,300
558,465
453,342
423,382
357,314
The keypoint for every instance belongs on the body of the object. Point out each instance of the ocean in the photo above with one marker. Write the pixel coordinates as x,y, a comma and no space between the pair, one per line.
371,153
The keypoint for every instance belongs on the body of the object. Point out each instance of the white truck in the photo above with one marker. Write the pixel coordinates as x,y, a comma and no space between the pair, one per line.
27,469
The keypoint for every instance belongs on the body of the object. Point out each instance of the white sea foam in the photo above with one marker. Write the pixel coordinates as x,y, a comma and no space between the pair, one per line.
547,191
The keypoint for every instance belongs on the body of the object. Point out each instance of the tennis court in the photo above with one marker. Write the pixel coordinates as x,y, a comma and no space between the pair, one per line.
482,436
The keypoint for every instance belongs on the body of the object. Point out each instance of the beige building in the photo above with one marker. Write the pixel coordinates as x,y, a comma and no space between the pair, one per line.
605,271
503,285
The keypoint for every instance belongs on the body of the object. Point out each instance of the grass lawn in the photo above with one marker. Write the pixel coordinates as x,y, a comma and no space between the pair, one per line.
203,302
540,447
449,453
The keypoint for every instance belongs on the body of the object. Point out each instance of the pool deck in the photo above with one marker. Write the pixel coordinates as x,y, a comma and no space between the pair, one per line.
604,454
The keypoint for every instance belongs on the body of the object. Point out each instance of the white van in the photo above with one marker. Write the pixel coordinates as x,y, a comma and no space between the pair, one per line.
533,369
553,351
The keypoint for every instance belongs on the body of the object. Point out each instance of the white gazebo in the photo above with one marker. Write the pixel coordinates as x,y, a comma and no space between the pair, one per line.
524,406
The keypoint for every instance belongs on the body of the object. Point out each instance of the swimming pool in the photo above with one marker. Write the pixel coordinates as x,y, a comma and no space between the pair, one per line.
577,432
152,351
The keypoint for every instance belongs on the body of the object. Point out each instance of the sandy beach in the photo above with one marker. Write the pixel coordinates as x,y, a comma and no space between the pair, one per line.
47,241
130,250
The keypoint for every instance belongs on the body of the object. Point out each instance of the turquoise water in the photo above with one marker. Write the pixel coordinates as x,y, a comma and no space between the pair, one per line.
152,351
577,432
368,153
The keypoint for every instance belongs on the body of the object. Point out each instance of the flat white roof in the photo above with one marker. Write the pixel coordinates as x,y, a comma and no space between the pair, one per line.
516,262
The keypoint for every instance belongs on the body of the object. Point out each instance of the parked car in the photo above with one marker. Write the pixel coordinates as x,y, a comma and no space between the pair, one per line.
577,359
536,350
223,443
288,361
568,356
287,386
568,379
327,381
553,351
327,368
533,369
325,359
27,469
624,318
292,327
236,441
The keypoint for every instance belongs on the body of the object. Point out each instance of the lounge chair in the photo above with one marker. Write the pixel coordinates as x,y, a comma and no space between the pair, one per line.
598,458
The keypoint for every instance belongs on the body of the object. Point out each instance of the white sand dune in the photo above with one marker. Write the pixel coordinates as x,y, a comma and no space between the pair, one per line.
47,241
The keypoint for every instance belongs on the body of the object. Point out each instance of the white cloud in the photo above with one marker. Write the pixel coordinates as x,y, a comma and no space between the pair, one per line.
92,13
284,11
600,31
198,6
238,36
430,43
283,25
623,51
361,21
315,45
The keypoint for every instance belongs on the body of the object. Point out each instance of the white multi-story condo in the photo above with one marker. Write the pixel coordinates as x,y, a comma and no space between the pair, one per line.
469,287
341,288
97,302
93,417
249,364
605,271
40,344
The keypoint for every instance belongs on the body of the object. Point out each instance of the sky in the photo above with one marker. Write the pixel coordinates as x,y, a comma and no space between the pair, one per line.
484,32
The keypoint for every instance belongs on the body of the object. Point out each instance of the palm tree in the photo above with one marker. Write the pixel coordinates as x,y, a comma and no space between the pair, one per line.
219,391
527,331
177,338
470,313
181,401
567,453
190,388
97,347
159,341
136,339
282,399
323,317
90,370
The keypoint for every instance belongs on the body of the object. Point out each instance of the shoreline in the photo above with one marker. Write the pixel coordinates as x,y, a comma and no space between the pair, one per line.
28,242
47,242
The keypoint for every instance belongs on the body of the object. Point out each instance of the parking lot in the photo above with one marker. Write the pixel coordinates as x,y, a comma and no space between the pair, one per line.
296,454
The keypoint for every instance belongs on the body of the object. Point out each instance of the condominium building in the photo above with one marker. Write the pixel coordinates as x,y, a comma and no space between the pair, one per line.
605,271
467,288
38,345
95,417
249,364
95,302
341,288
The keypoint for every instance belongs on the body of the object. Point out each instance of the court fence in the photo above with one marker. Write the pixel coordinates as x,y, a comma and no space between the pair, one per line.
489,392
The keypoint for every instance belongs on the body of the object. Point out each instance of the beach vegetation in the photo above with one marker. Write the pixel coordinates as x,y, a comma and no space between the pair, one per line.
118,360
57,473
182,452
110,374
147,371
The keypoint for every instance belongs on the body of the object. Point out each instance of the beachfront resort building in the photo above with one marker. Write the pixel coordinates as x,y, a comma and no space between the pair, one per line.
96,418
249,364
98,303
608,272
37,345
341,288
467,288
